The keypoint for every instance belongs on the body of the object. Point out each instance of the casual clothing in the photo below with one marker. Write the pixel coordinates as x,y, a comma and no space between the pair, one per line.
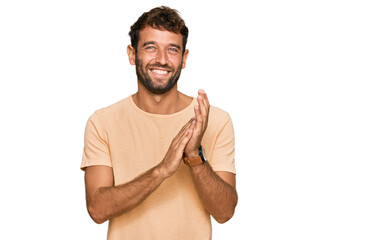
132,141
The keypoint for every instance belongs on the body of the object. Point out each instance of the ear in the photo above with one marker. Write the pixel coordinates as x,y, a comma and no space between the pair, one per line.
131,54
184,57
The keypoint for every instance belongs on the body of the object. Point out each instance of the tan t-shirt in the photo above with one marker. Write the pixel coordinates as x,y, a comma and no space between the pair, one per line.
132,141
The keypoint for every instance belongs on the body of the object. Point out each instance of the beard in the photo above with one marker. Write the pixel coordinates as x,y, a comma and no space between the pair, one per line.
151,85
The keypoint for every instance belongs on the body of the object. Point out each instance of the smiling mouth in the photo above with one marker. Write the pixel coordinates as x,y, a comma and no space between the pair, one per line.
159,71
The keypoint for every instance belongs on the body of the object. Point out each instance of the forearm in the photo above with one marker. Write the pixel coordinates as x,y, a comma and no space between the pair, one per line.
218,197
109,202
106,201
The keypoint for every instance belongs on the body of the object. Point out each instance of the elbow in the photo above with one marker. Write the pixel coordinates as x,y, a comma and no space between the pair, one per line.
226,215
98,220
224,218
96,215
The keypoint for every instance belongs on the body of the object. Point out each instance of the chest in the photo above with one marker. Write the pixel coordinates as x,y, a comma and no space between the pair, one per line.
138,145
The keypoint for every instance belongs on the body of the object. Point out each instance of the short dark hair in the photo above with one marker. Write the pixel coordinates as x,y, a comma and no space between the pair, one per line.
161,18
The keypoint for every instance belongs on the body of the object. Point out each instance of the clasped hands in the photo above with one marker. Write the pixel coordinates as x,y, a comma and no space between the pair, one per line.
198,125
188,139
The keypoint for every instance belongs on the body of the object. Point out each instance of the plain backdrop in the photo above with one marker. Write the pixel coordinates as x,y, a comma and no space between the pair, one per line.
305,82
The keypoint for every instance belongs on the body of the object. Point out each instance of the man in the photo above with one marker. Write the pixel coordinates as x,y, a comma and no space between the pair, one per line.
134,149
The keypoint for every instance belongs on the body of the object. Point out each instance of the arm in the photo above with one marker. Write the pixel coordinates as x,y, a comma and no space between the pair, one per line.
105,201
216,189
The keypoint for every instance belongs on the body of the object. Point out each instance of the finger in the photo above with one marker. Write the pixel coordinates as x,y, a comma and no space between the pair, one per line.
188,124
189,134
185,139
199,122
198,114
205,97
203,108
186,127
201,103
183,130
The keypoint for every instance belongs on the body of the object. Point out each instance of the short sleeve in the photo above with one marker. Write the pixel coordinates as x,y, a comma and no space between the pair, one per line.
96,148
223,156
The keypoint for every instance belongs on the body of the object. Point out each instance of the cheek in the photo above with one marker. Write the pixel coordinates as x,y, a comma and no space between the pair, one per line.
177,62
145,58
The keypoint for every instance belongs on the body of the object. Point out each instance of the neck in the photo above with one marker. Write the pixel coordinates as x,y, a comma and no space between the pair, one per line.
167,103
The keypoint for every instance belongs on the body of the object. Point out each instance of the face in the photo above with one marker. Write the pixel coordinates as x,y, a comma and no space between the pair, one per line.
159,59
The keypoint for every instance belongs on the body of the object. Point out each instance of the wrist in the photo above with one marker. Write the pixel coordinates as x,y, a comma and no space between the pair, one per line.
160,171
192,154
195,157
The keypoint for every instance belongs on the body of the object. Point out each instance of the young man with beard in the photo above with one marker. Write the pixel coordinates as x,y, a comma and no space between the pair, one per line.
134,149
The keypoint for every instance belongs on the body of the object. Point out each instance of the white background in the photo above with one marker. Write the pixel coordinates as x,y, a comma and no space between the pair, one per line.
305,82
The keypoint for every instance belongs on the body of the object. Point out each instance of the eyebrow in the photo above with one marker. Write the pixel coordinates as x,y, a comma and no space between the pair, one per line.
153,42
175,45
148,43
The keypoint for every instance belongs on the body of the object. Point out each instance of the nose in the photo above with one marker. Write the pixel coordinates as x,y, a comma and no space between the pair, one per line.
161,57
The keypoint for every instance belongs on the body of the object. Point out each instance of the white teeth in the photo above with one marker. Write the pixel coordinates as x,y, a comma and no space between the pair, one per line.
159,71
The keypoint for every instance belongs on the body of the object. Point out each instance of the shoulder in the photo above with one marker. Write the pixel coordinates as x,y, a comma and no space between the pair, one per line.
113,110
218,118
109,115
216,113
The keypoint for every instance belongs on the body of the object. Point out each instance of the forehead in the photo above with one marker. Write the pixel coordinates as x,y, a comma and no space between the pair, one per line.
161,37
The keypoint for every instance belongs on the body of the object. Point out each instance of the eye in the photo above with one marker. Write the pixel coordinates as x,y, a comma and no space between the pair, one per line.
174,50
150,48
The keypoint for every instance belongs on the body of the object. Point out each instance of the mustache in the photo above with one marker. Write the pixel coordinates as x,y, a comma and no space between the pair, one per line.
163,66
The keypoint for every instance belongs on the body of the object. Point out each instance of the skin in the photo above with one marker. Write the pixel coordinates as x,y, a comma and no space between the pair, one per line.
159,56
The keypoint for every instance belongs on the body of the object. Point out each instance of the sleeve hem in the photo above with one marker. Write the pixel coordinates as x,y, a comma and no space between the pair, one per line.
95,163
223,168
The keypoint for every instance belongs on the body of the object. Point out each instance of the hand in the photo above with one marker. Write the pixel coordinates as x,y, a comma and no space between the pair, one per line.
200,124
174,154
